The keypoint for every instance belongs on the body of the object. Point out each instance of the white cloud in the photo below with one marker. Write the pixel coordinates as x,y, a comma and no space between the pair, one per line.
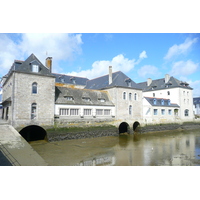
183,68
147,71
143,55
60,46
118,63
176,50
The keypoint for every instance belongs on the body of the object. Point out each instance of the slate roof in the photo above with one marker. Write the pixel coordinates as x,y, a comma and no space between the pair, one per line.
196,100
25,66
80,95
62,78
159,84
159,102
119,79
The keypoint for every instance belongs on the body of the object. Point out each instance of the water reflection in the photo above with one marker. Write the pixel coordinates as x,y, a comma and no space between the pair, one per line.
160,149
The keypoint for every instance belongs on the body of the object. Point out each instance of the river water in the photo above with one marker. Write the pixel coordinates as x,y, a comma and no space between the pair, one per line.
171,148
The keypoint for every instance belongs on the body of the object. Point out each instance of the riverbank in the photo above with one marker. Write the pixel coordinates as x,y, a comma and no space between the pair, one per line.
64,133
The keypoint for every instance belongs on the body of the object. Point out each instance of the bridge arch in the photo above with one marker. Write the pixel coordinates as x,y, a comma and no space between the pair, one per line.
136,126
124,128
33,133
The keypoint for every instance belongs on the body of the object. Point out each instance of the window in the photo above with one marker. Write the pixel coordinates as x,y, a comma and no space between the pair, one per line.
102,100
170,112
35,68
169,102
87,112
86,99
154,95
168,92
130,110
154,101
74,111
64,111
107,112
155,111
68,98
162,102
99,111
130,96
124,95
135,96
33,110
163,111
186,113
34,88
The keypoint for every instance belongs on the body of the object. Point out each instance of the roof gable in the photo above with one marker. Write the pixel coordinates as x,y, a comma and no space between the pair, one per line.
119,79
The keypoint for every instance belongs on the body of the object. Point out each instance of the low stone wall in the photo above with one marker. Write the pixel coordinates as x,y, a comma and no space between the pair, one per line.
167,127
58,135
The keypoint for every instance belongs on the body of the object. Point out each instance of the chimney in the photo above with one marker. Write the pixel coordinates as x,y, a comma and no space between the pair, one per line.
167,77
48,63
149,81
110,75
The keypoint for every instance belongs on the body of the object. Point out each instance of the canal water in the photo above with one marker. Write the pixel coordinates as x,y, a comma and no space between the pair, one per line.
170,148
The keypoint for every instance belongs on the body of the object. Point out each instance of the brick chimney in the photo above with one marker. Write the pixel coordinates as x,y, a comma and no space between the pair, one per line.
48,63
110,75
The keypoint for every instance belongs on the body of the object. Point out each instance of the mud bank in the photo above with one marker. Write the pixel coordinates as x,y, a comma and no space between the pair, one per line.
79,133
168,127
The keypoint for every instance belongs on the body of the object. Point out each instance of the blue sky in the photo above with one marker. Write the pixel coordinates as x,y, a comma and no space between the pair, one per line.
139,55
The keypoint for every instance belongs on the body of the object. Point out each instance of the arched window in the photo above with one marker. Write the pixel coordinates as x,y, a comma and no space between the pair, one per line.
33,110
130,110
34,88
162,102
169,102
186,113
135,96
154,101
130,96
124,95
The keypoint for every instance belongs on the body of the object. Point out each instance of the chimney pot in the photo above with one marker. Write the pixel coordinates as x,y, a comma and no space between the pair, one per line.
149,81
110,75
48,63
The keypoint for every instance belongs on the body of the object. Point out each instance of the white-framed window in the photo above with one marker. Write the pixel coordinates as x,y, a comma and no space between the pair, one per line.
74,112
101,100
35,68
186,113
154,101
99,111
64,111
86,99
33,110
169,102
68,98
124,95
34,88
168,92
87,112
107,112
162,111
162,102
169,112
155,111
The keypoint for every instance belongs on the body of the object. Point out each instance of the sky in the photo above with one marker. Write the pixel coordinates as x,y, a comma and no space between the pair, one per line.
138,55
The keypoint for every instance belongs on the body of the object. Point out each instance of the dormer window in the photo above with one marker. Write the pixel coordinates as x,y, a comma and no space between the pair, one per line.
154,101
128,82
86,98
35,68
69,98
162,102
102,100
73,80
169,102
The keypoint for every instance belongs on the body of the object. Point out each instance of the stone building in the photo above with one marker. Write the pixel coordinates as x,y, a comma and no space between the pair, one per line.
33,95
29,93
196,106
